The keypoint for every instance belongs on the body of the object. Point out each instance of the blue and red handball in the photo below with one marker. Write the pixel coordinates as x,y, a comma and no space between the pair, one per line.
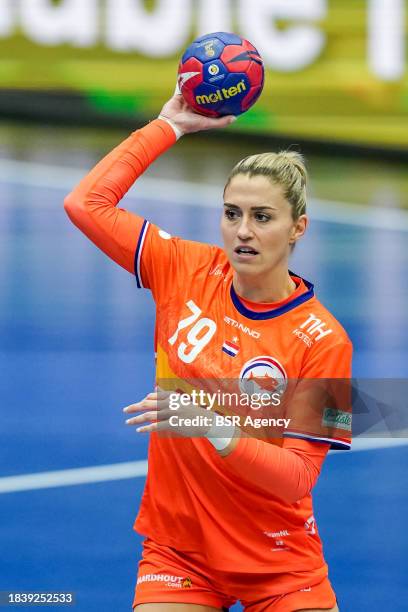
221,74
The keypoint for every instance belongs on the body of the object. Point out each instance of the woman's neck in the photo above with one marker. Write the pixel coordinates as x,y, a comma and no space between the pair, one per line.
276,289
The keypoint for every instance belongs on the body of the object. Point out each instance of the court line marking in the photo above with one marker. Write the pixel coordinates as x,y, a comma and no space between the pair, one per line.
33,174
133,469
65,478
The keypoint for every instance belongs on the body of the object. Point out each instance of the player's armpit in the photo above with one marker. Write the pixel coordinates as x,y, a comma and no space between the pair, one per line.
91,206
288,472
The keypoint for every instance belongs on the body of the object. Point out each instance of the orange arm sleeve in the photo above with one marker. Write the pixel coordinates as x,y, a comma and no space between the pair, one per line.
289,472
91,206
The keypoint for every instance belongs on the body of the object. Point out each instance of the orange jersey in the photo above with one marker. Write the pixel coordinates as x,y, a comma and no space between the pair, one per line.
242,509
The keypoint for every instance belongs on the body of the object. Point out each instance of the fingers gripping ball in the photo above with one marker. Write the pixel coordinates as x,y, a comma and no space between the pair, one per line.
221,74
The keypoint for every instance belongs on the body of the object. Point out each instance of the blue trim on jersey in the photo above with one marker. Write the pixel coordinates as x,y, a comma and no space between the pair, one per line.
270,314
334,444
139,243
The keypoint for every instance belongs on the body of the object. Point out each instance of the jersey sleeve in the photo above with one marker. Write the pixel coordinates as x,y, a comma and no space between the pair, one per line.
92,205
319,402
288,472
158,261
166,264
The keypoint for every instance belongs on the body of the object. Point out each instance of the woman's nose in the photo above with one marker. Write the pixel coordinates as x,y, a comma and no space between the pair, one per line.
244,230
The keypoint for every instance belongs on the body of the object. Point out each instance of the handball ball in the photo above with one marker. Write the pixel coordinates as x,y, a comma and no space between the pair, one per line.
221,74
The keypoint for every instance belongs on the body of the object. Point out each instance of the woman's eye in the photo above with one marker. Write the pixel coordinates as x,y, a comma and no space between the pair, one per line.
231,214
262,217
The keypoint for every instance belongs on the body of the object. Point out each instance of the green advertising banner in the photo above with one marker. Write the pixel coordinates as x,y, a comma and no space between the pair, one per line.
335,69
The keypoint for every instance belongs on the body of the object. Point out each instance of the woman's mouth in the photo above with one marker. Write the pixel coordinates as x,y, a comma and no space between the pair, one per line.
244,253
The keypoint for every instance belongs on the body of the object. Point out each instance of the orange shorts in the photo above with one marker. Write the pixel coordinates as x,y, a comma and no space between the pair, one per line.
168,576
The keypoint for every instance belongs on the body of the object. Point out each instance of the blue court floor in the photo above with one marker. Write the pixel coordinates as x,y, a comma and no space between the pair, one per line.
76,346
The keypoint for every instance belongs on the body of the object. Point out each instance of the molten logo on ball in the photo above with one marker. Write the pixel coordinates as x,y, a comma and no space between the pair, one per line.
226,58
221,94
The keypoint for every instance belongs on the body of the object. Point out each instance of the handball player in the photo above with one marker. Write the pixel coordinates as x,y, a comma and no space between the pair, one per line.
226,516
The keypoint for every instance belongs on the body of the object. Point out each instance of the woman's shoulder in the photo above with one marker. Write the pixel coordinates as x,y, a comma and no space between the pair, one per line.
207,254
324,323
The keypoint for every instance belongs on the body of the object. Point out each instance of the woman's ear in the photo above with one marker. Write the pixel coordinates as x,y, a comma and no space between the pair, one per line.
299,228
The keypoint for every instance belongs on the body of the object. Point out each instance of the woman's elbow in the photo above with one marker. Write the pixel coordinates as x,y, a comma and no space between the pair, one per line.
302,489
69,203
73,207
295,495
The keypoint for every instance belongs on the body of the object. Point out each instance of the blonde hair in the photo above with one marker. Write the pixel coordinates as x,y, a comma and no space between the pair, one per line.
286,168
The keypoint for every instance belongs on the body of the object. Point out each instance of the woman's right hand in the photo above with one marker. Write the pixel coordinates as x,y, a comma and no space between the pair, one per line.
187,120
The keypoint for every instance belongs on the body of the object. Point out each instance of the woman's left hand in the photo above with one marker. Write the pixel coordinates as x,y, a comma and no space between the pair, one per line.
187,421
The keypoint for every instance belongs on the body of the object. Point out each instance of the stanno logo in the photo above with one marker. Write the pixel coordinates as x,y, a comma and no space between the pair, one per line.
221,94
241,327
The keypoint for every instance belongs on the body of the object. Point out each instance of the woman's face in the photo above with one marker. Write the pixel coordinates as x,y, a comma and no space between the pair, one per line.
257,225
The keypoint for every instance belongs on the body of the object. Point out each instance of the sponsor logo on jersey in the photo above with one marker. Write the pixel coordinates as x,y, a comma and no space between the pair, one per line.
230,348
178,582
221,94
336,418
251,332
314,329
280,546
310,525
217,271
304,337
263,374
277,534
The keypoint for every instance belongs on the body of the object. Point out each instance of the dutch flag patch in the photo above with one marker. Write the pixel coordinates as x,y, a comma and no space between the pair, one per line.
230,348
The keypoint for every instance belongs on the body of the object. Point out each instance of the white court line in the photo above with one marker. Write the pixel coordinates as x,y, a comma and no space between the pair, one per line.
134,469
65,478
194,194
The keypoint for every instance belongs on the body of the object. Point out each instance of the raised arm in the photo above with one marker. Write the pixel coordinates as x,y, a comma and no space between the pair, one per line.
91,206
